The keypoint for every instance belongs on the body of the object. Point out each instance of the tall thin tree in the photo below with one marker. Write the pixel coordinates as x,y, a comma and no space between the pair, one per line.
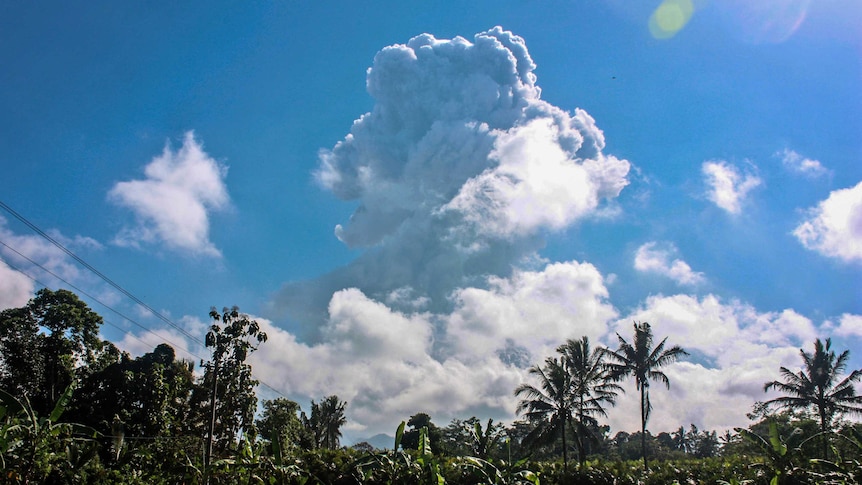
642,361
817,386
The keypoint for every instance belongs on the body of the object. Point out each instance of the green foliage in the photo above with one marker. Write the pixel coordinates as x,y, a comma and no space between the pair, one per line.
280,423
817,386
40,449
784,455
46,345
400,466
227,378
323,428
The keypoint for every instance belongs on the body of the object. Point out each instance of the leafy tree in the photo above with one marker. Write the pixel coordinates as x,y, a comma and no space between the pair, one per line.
643,361
225,399
280,420
46,345
417,422
817,386
332,413
591,389
549,405
323,428
149,394
484,441
39,448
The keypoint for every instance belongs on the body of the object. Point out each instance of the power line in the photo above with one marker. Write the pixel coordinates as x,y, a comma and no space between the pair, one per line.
79,290
95,271
107,280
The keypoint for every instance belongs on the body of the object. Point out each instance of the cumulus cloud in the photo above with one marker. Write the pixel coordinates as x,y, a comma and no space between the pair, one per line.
467,361
173,203
652,259
735,350
727,187
849,326
834,227
796,163
458,172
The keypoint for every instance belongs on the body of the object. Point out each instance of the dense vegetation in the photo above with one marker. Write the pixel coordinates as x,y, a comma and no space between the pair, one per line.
74,409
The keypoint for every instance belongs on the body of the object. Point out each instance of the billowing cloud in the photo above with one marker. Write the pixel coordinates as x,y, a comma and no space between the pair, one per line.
390,364
734,350
458,172
173,203
727,187
796,163
653,259
834,227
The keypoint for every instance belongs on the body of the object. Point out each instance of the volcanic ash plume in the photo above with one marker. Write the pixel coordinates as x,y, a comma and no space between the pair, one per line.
458,171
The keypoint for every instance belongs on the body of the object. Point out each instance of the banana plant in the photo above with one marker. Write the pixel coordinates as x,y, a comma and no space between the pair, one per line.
33,447
783,455
843,469
399,466
503,473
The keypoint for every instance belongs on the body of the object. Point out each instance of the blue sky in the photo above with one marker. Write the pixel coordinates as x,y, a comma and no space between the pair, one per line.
695,165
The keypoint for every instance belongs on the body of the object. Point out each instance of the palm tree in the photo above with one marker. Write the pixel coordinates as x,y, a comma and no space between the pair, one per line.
815,386
332,418
549,406
643,362
591,388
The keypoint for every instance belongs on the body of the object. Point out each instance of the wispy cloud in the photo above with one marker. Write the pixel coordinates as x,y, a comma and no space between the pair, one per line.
727,187
652,259
834,227
798,164
172,205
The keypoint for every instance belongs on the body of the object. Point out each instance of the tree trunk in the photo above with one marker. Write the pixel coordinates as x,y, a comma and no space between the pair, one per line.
209,454
565,449
643,424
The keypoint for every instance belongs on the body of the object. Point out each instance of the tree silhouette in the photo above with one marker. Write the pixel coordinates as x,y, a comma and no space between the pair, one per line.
548,406
817,386
643,362
591,388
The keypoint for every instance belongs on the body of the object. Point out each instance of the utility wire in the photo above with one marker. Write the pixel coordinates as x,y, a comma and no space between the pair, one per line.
109,281
79,290
95,271
43,285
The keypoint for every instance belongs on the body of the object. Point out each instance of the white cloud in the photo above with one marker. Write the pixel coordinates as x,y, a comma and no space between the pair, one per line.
458,172
651,259
537,310
15,288
467,361
735,351
798,164
40,260
172,204
727,186
849,326
834,227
